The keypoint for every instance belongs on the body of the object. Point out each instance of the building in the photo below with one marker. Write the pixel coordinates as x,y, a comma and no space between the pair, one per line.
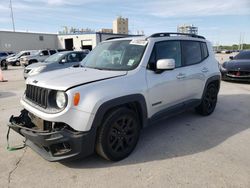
86,40
190,29
104,30
17,41
120,25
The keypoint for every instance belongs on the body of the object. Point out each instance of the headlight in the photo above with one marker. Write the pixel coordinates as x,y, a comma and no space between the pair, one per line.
61,99
36,71
222,68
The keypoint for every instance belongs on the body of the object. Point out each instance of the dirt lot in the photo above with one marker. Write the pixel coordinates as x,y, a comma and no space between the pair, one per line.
185,151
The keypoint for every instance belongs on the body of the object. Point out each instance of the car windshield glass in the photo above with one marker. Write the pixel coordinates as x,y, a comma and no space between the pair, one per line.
115,55
243,55
19,54
54,58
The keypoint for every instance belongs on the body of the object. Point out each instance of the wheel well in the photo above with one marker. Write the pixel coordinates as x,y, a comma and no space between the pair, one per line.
134,106
216,83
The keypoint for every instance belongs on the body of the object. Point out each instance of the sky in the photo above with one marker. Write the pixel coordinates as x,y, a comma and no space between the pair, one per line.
220,21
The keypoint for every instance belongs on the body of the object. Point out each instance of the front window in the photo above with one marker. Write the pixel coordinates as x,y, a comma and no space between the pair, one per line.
115,55
54,58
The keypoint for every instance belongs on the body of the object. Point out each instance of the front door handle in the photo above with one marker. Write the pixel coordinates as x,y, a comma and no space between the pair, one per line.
180,76
205,69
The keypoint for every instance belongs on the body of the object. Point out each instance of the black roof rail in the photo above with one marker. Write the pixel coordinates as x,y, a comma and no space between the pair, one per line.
169,34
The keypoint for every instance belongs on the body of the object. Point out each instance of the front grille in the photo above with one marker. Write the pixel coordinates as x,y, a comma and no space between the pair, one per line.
37,95
239,73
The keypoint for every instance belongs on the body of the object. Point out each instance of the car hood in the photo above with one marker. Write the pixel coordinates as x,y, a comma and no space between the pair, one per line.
237,64
36,65
12,58
66,78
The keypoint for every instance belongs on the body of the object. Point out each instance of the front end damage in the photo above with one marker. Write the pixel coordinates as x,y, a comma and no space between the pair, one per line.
54,141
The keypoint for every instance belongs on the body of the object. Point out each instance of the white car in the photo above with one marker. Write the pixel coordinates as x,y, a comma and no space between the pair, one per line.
39,56
15,60
122,86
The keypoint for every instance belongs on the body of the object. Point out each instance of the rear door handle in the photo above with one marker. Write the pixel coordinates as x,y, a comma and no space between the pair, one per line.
180,76
205,69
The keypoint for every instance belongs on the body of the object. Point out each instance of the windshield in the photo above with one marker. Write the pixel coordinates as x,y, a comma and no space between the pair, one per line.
243,55
115,55
55,57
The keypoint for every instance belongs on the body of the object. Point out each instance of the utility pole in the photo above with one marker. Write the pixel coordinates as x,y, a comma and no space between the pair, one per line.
12,16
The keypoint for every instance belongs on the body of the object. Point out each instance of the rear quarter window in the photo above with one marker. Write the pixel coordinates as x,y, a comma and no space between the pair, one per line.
204,50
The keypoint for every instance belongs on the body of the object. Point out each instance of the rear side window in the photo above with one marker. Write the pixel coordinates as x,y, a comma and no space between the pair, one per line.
204,50
191,51
45,52
52,52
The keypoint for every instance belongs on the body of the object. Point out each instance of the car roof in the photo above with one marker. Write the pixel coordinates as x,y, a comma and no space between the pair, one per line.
164,36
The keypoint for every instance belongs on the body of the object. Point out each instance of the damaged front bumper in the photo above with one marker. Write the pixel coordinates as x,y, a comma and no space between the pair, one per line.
55,141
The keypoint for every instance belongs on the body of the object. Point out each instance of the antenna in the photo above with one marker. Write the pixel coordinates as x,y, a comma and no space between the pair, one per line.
12,16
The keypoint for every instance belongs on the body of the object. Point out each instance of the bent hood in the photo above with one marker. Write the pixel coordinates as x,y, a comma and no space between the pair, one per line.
66,78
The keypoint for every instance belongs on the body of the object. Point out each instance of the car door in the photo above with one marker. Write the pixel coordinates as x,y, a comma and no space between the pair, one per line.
43,55
195,68
167,88
72,59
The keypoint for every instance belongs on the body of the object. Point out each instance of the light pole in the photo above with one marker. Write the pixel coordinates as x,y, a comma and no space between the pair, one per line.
12,16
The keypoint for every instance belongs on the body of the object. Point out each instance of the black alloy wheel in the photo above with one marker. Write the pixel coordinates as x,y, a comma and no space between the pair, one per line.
209,101
118,135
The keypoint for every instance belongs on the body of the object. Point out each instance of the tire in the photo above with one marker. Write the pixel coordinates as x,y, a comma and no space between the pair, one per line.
209,101
118,135
4,65
17,63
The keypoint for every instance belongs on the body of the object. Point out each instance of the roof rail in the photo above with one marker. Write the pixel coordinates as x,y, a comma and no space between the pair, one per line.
169,34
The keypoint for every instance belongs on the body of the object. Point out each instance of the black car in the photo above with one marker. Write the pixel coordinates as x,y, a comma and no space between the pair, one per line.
238,68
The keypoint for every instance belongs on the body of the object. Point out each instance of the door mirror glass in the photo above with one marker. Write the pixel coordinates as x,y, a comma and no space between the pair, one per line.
165,64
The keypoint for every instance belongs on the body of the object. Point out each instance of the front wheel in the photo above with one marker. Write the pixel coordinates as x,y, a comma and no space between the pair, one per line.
118,135
209,101
17,63
4,65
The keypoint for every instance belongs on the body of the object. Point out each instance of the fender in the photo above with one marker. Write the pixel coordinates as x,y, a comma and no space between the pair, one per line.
138,98
209,80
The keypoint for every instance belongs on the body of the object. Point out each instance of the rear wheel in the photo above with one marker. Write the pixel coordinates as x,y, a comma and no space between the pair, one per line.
118,134
209,101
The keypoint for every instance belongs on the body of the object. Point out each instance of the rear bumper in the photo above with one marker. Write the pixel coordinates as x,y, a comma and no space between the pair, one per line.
57,145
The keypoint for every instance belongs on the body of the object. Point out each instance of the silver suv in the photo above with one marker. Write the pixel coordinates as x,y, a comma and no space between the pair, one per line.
39,56
122,86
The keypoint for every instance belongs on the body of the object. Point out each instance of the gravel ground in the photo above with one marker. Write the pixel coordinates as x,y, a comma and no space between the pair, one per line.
184,151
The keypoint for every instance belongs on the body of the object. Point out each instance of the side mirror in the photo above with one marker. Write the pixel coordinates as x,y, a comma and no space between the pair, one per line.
231,57
165,64
63,61
41,54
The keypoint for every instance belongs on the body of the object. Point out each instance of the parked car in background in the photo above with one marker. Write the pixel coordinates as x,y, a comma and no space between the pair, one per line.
238,68
57,61
39,56
3,56
15,60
